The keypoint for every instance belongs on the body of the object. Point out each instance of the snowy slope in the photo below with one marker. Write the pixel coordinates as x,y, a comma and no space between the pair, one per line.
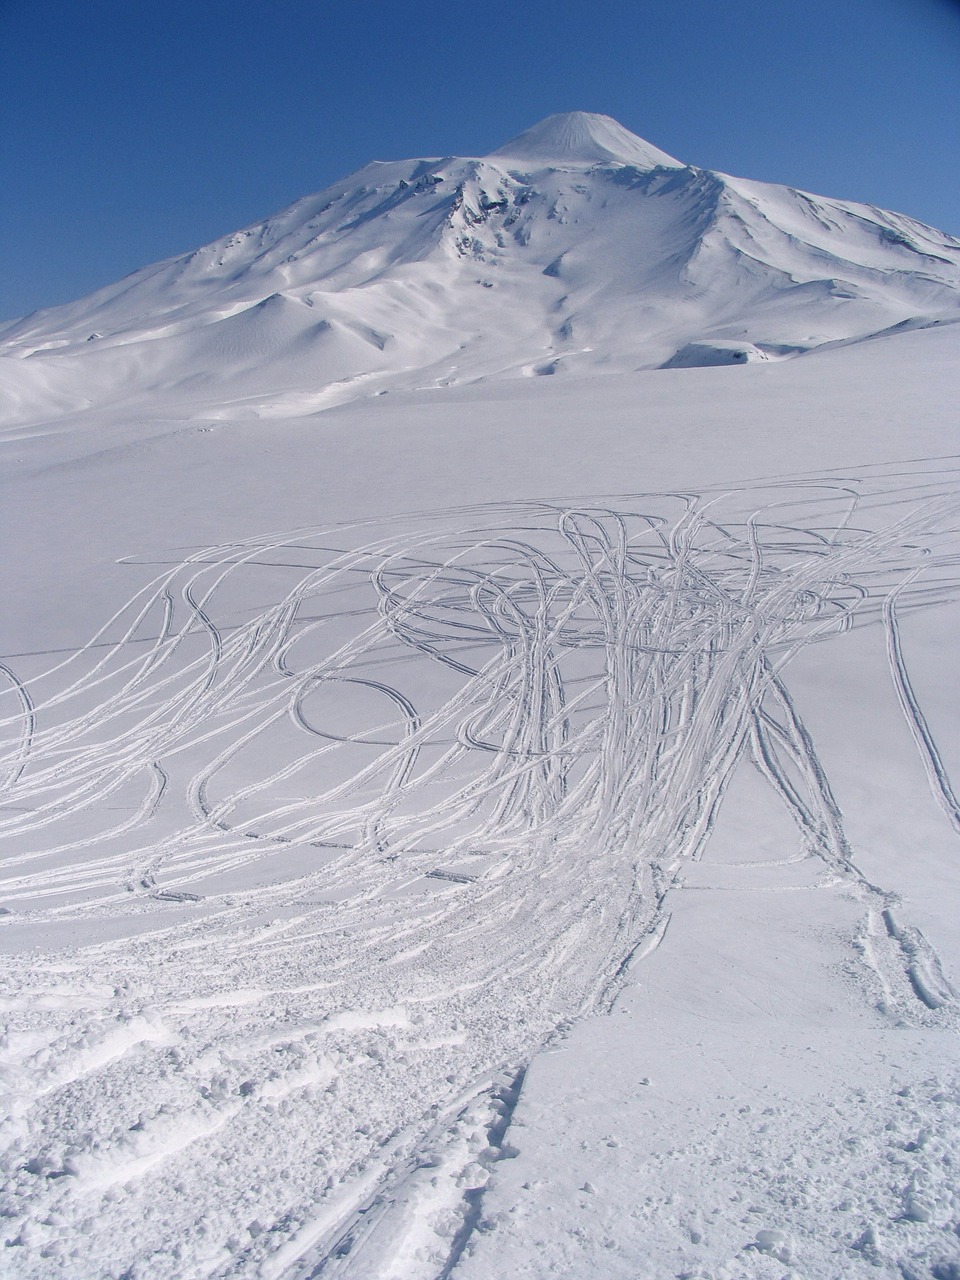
576,247
495,829
324,821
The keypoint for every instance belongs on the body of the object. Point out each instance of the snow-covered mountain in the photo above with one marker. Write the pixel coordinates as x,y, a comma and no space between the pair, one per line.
577,246
504,829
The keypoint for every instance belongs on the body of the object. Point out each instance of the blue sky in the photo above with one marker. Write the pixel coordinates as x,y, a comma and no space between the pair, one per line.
137,129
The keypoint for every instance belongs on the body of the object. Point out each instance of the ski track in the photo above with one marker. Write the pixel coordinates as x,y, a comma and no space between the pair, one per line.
407,822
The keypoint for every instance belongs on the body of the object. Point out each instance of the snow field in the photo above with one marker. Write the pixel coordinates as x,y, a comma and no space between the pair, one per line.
535,886
711,1167
381,891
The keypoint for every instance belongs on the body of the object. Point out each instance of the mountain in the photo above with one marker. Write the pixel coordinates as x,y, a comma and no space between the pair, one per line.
505,830
575,247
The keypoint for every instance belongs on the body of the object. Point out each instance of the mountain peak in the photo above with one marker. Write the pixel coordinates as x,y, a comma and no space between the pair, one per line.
583,137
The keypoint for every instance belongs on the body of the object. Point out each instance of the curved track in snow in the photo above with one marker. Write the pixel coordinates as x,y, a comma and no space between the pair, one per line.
405,821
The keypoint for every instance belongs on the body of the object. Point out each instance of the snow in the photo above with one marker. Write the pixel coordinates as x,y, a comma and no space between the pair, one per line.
499,827
582,251
583,137
704,354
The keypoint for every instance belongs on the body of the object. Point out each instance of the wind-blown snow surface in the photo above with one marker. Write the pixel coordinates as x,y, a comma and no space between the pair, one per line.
325,822
575,248
506,828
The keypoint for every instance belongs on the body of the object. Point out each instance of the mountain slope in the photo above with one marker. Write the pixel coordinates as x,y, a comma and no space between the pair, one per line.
575,247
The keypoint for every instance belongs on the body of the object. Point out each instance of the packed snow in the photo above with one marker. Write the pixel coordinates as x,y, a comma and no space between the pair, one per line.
507,826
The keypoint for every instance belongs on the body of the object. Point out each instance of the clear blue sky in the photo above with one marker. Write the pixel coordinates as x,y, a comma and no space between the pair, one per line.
137,129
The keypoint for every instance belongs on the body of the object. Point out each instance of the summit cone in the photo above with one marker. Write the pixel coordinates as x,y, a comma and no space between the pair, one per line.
584,137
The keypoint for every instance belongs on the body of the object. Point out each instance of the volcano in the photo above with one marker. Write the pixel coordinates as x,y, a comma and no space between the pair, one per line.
577,247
